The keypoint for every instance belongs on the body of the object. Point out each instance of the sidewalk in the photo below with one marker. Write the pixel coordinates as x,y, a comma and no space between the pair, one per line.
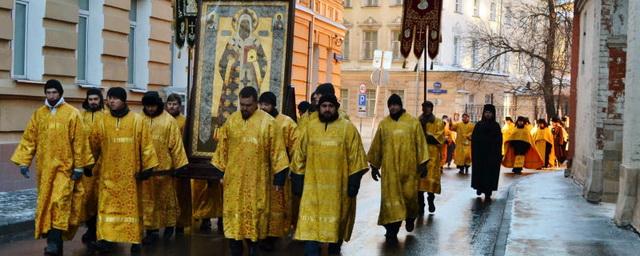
547,215
16,212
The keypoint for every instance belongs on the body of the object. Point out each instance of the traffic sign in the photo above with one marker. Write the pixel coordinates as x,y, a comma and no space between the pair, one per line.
362,103
363,88
377,58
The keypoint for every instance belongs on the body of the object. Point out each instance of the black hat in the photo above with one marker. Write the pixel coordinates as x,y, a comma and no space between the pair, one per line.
394,99
303,106
325,89
55,84
152,98
268,97
490,108
427,104
117,92
521,118
329,98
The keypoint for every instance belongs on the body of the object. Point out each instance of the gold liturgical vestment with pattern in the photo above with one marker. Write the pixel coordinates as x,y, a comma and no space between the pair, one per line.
397,149
249,152
463,143
60,145
327,154
159,198
431,183
126,148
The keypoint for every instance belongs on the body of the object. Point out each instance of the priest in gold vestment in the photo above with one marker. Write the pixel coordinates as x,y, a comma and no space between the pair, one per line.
399,149
55,136
433,128
127,157
159,198
464,130
327,165
251,158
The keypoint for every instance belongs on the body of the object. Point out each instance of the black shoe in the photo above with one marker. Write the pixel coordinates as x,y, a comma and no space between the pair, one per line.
179,231
102,246
151,238
253,249
432,206
461,171
167,233
268,244
478,192
487,195
466,170
410,224
136,248
88,237
205,225
220,226
52,249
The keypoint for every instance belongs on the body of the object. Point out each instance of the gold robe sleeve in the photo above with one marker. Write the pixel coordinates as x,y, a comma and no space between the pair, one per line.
149,159
374,156
178,154
278,152
422,151
220,156
27,148
299,159
82,155
356,160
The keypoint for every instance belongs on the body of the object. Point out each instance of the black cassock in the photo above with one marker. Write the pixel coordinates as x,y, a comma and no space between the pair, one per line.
486,155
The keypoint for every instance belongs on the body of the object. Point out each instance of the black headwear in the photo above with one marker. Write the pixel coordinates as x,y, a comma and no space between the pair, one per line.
491,108
152,98
427,104
117,92
55,84
93,91
325,89
394,99
329,98
304,106
269,98
521,118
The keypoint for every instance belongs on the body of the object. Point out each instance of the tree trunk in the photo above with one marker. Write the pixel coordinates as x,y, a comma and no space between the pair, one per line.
547,77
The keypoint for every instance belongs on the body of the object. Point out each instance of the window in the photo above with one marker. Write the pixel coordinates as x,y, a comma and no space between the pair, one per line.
505,67
371,102
371,3
20,39
476,8
345,46
459,6
456,50
395,44
133,16
347,3
344,99
474,53
492,15
507,16
28,40
369,44
81,50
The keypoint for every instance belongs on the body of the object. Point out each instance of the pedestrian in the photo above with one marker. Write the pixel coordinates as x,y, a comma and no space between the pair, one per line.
463,144
507,129
280,217
159,197
55,136
543,139
321,90
560,137
303,107
183,185
127,156
486,151
433,128
327,166
445,145
251,156
400,150
93,106
520,150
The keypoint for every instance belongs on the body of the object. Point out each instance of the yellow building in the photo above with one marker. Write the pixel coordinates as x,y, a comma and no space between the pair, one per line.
83,44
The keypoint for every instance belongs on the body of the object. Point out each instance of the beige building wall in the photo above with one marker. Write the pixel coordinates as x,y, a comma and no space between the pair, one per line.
20,96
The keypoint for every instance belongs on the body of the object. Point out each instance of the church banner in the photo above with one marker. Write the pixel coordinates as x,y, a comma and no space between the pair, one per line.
421,22
240,43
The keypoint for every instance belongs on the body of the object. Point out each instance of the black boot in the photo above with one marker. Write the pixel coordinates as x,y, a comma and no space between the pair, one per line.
461,168
152,237
478,192
54,242
90,236
179,231
466,169
487,195
220,226
253,248
410,224
335,248
103,246
167,233
205,225
268,244
136,248
392,230
236,247
430,198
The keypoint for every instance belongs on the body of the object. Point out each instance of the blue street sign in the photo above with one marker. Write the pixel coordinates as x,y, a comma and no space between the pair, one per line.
362,99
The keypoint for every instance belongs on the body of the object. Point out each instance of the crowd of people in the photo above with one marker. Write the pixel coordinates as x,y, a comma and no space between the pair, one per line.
114,170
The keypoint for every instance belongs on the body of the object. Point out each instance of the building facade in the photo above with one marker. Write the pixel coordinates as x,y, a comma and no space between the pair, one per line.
606,152
454,84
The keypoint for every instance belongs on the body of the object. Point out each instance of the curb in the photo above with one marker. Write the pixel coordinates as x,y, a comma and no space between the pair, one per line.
15,231
505,224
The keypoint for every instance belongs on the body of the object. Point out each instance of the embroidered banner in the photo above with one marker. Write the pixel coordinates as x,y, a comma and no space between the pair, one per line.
420,23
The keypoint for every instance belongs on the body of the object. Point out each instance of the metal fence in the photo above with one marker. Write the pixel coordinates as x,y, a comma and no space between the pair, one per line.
533,112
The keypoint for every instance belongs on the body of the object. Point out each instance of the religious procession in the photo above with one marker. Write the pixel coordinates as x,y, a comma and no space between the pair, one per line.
184,127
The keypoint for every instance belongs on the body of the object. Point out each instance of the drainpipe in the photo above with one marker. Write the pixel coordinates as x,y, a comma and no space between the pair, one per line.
310,52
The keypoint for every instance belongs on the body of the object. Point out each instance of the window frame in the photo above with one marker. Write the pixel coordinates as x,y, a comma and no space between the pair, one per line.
26,40
373,46
344,99
459,7
476,8
456,51
371,102
86,14
493,11
395,44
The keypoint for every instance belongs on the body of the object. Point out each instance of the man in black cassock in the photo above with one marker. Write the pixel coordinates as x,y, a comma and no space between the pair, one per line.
486,151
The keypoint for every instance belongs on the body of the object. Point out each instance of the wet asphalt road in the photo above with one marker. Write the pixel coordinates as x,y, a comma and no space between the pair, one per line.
463,224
